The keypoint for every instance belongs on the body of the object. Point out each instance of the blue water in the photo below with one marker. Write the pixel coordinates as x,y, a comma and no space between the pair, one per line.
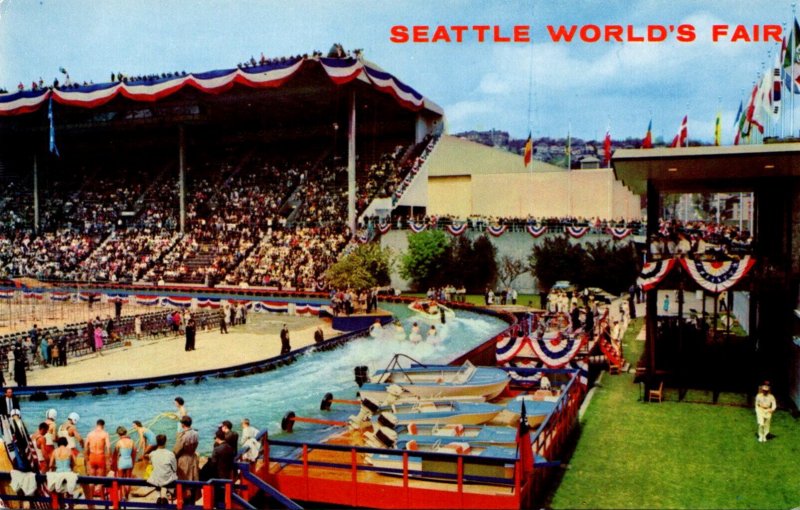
265,398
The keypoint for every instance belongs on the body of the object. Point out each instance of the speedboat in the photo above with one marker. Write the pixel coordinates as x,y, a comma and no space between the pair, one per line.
434,381
445,467
431,310
441,412
476,435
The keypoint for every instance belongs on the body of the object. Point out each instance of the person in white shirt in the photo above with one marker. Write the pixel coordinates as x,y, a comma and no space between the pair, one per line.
765,406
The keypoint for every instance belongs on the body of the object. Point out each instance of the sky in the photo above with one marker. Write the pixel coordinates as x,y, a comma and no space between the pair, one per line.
543,87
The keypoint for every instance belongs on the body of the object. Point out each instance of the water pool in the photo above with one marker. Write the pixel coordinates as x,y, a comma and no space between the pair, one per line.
265,398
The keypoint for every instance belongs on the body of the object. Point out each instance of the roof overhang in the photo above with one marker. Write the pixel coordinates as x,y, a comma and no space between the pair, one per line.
701,169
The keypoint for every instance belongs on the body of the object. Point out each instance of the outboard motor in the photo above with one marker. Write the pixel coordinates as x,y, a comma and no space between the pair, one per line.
362,375
362,419
387,419
381,438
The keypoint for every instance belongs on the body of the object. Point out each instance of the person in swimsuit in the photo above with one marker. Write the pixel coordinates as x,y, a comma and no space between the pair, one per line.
63,460
39,447
147,439
69,431
124,455
50,436
97,454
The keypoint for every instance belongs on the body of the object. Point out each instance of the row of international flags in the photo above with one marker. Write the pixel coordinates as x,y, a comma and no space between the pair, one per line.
762,109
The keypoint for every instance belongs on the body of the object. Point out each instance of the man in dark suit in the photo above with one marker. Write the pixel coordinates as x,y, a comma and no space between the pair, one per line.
8,403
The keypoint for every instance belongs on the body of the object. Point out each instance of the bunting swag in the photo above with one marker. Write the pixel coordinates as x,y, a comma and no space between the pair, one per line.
270,75
114,298
179,301
33,295
457,230
383,228
653,272
212,303
269,307
147,300
581,365
536,231
620,233
497,231
416,228
577,232
6,294
717,277
557,350
307,308
510,347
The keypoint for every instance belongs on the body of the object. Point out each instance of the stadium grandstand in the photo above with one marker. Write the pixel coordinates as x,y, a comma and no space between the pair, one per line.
245,176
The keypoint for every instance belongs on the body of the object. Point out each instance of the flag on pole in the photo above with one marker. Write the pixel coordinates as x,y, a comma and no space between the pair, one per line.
718,130
607,147
568,151
527,155
791,69
53,147
775,98
750,112
683,134
738,125
647,143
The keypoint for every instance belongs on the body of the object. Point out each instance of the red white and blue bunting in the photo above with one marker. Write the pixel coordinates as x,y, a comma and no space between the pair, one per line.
581,365
620,233
269,306
60,296
576,232
207,302
117,298
497,231
417,228
271,75
179,301
147,300
307,308
535,230
456,229
384,227
717,277
33,294
6,294
557,349
653,272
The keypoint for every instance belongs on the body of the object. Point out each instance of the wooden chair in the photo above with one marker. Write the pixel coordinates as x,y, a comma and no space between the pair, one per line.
656,395
613,369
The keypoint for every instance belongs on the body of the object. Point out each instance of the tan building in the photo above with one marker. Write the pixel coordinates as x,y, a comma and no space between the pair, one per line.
466,178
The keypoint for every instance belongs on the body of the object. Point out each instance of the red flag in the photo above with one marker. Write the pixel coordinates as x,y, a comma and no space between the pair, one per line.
647,143
751,110
607,147
527,155
683,134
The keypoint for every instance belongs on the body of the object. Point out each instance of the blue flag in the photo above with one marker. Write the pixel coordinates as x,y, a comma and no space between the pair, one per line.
53,147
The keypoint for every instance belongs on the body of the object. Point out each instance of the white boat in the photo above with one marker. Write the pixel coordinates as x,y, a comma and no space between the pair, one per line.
435,381
441,412
431,310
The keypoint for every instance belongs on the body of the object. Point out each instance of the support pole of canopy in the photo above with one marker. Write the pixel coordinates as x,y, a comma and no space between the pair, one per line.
653,208
351,164
35,194
182,177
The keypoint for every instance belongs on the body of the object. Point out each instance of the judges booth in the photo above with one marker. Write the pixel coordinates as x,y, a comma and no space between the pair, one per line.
732,318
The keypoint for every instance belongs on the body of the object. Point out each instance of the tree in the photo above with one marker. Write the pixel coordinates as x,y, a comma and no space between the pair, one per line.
557,259
426,259
484,262
510,269
368,265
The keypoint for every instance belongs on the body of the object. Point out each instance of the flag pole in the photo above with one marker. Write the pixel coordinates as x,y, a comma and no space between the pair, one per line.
793,48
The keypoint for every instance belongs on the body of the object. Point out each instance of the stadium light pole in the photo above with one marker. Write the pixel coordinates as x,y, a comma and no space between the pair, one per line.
351,165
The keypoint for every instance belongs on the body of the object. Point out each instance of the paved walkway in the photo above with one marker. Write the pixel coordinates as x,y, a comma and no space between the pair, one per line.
257,340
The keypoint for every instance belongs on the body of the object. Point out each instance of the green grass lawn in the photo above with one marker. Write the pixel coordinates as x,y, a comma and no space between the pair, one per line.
676,454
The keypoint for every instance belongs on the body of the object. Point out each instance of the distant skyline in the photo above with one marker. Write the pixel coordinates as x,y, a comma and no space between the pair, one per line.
578,86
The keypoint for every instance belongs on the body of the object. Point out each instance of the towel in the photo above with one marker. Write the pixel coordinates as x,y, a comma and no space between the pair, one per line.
62,482
23,481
